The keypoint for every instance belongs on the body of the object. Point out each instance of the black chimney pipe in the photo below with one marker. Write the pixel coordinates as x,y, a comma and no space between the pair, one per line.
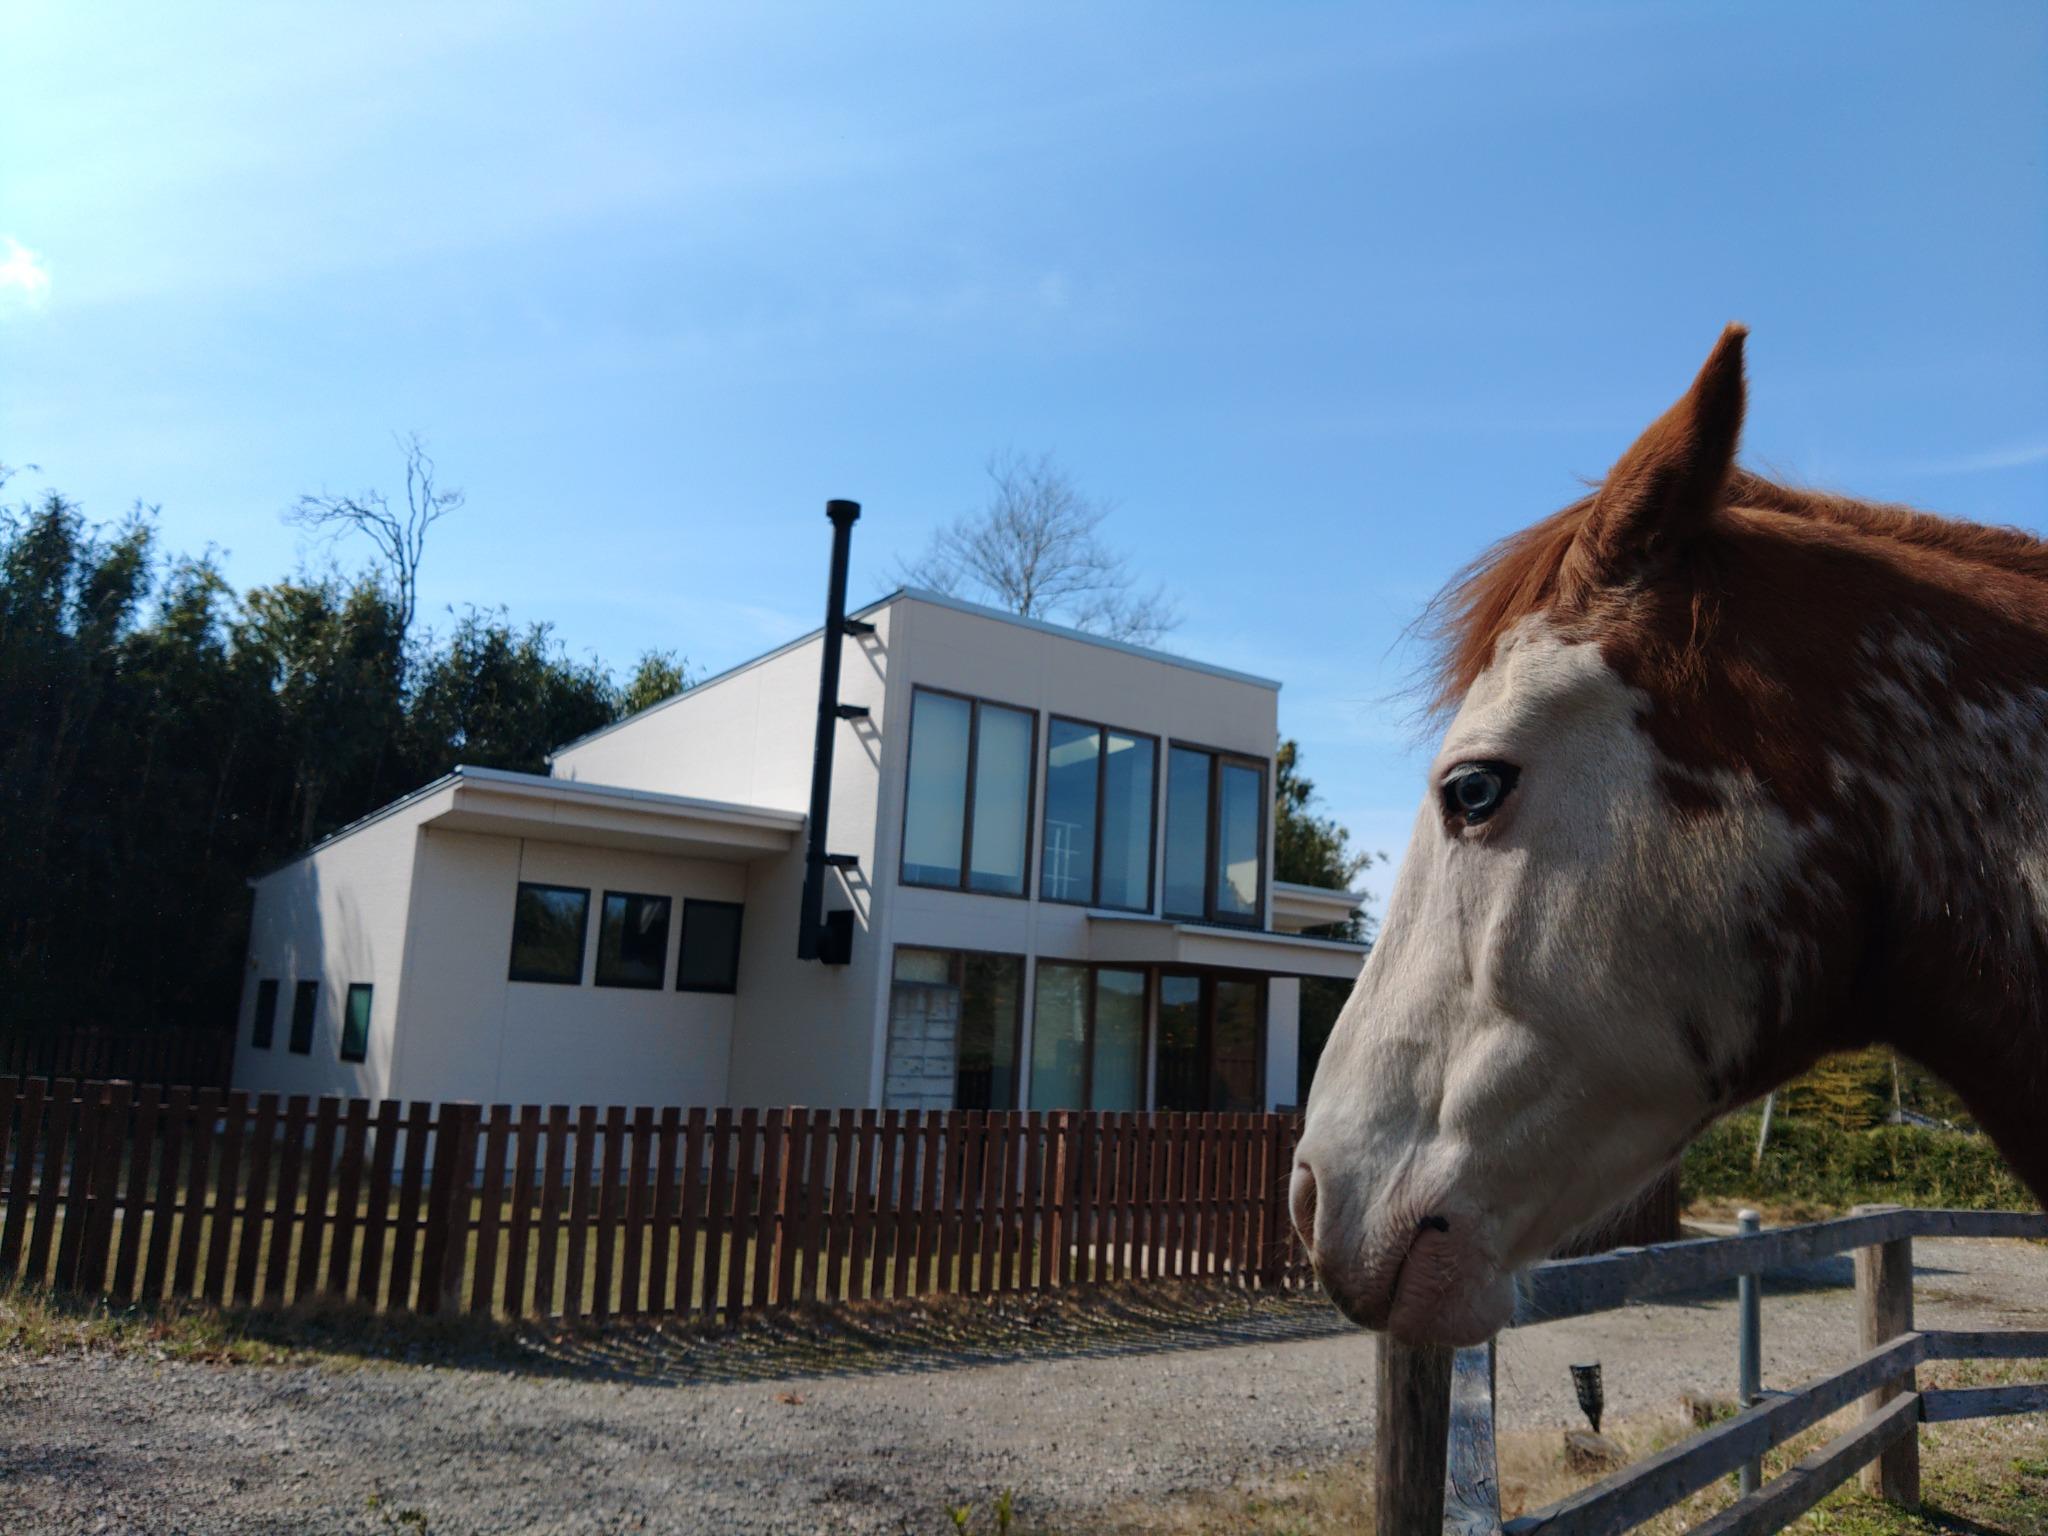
811,920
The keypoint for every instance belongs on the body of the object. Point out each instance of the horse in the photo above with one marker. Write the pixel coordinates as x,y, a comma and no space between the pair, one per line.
1735,775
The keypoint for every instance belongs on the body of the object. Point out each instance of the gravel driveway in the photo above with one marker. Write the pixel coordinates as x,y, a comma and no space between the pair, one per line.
118,1444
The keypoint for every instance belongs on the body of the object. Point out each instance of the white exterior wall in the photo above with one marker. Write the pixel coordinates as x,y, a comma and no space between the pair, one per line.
1055,674
338,915
802,1033
468,1032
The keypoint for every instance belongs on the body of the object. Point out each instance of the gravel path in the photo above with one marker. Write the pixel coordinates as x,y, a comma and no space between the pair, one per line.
119,1444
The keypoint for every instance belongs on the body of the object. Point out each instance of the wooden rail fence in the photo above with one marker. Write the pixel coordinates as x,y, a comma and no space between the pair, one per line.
192,1058
147,1194
1437,1470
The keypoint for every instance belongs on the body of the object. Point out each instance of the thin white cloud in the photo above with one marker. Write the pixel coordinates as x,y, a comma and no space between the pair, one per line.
2014,455
24,280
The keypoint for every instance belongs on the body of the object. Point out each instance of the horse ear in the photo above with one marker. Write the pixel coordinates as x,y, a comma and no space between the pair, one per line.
1672,479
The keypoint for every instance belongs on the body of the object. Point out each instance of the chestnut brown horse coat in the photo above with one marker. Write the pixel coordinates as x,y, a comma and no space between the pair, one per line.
1736,775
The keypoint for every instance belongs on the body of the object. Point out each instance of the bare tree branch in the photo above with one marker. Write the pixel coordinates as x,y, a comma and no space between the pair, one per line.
1034,549
400,536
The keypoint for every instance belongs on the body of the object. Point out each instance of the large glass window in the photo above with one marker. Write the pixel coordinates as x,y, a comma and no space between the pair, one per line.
355,1023
1211,1039
953,1025
548,925
1088,1038
1216,815
632,940
708,959
967,805
266,1015
1098,816
305,999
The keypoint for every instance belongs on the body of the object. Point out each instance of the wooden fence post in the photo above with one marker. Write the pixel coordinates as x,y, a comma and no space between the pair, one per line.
1410,1433
455,1238
1884,1303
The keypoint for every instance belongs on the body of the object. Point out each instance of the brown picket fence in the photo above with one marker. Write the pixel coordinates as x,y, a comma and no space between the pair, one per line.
148,1195
193,1058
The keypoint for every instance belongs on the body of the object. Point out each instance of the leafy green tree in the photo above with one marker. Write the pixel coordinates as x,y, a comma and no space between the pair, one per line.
499,697
1310,848
660,675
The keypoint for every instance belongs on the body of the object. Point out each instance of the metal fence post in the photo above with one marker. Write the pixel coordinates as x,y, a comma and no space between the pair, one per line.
1884,1297
1410,1436
1749,1347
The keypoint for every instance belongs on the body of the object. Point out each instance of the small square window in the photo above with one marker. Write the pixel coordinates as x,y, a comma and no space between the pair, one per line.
305,998
709,960
548,926
632,940
266,1015
355,1026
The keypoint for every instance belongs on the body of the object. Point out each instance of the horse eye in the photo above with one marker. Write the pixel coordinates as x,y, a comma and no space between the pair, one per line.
1474,791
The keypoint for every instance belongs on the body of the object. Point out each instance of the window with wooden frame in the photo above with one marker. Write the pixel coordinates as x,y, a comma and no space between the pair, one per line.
967,797
1088,1038
1216,820
1211,1042
954,1021
266,1015
1101,787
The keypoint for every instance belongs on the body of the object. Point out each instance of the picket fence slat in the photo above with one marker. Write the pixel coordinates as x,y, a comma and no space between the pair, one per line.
341,1282
689,1268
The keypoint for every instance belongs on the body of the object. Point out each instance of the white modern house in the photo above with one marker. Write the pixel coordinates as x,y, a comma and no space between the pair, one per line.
1045,881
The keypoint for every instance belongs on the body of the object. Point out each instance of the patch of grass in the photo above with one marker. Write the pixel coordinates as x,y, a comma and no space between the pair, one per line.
1811,1168
1986,1477
37,1322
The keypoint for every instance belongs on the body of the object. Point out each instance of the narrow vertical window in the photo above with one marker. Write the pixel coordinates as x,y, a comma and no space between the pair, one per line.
935,806
1216,817
1117,1054
355,1024
1187,833
1000,836
266,1015
1129,775
1072,764
1059,1038
305,998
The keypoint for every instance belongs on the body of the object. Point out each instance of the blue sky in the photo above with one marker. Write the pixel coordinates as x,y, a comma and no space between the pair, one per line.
1325,298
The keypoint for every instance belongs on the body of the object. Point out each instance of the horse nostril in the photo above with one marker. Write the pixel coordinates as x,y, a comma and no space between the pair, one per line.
1434,1224
1301,1201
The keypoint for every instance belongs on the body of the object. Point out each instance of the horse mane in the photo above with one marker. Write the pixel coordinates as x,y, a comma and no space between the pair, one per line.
1521,574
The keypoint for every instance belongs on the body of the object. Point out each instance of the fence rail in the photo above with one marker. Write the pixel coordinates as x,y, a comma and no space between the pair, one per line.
192,1058
149,1195
1437,1460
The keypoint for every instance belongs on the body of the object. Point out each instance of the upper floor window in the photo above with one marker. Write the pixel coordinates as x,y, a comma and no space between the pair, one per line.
1099,788
632,940
548,926
1216,817
967,807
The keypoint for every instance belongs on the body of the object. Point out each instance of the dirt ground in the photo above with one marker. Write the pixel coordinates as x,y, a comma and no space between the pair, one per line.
646,1432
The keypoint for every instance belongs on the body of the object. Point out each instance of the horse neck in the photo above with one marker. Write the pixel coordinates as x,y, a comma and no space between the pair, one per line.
1957,949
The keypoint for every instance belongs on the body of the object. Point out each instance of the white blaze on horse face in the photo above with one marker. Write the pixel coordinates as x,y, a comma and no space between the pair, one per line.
1551,994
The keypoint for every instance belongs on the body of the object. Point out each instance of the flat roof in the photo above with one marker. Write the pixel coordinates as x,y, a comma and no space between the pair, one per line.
578,793
937,600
